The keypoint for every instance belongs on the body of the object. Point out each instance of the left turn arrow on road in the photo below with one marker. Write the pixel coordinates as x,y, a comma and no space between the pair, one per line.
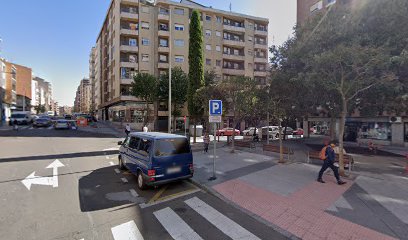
47,181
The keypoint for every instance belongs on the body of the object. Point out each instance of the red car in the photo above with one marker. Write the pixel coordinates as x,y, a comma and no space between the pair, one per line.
298,131
227,132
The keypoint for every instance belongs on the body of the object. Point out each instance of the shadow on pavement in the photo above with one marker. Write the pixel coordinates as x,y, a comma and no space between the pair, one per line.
60,156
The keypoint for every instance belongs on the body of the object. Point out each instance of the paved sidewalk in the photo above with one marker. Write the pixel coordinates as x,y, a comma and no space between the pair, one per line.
371,206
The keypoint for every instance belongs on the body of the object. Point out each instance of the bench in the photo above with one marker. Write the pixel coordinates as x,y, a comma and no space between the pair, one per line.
347,159
276,149
247,144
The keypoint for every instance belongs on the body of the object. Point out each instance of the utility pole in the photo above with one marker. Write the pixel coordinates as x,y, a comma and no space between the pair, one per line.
170,59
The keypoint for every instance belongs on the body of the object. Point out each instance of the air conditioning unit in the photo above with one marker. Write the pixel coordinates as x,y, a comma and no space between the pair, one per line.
395,119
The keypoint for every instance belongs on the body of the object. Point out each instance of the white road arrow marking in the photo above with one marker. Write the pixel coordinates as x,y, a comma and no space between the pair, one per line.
47,181
32,179
55,165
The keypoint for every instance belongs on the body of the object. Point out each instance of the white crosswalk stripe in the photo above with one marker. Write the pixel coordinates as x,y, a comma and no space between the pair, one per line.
175,226
127,231
223,223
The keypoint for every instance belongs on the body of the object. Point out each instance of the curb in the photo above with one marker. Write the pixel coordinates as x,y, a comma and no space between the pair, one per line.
214,193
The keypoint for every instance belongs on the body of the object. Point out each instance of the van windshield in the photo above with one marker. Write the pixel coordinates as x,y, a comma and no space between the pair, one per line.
19,115
169,147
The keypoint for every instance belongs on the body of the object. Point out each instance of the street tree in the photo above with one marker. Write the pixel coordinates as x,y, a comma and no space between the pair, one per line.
179,86
196,69
40,108
146,87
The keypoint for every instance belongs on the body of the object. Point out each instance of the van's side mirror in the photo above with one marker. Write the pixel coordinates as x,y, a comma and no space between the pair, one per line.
120,143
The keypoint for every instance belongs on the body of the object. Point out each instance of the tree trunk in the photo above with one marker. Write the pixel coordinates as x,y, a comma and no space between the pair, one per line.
156,114
233,136
332,128
195,131
281,160
146,121
341,133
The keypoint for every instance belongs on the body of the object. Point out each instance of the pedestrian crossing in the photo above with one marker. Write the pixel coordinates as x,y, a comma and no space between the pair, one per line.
179,228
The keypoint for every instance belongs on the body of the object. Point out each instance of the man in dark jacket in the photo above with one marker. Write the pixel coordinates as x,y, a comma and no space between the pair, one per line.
329,163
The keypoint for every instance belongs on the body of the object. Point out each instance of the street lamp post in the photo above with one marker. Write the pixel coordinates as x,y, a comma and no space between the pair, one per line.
267,116
170,59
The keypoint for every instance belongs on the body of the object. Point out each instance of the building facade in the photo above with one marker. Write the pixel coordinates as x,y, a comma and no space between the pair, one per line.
41,94
138,37
23,88
92,71
83,97
65,110
5,108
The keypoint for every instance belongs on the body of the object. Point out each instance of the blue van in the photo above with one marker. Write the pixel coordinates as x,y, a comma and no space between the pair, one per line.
156,158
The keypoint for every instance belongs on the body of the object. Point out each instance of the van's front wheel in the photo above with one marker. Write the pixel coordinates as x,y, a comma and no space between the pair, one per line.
121,165
140,181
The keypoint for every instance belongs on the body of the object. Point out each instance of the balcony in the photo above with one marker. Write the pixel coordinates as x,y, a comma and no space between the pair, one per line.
259,59
129,15
128,64
233,42
164,49
126,81
161,65
259,73
260,45
163,16
128,31
261,32
128,48
234,71
130,1
240,57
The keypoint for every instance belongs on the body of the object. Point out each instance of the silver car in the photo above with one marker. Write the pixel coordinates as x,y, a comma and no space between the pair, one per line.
61,124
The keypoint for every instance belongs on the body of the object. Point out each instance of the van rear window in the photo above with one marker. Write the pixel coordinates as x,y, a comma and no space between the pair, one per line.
18,115
169,147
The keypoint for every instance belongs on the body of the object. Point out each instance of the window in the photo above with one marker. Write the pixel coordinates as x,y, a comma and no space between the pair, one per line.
133,58
136,116
179,11
218,19
375,130
251,26
145,9
250,53
218,33
179,42
163,42
218,48
208,33
134,142
208,61
145,57
163,27
218,63
169,147
132,42
317,6
145,25
133,26
208,18
178,27
145,42
208,47
250,38
144,146
164,11
179,59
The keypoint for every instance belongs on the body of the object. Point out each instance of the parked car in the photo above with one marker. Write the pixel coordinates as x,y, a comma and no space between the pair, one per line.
61,124
250,131
287,130
21,118
67,117
42,122
227,132
298,132
156,158
273,131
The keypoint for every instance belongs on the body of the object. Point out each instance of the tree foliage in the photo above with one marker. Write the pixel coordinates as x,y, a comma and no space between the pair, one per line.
146,87
179,87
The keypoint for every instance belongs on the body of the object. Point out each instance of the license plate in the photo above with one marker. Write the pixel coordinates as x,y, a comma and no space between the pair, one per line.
173,170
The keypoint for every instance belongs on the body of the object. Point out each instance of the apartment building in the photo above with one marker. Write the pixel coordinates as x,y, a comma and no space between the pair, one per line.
138,37
41,92
23,88
65,110
5,108
92,72
83,97
309,8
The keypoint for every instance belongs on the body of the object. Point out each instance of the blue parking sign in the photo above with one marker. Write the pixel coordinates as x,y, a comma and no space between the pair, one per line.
215,107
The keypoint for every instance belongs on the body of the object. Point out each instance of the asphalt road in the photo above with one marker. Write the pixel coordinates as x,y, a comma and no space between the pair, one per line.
76,191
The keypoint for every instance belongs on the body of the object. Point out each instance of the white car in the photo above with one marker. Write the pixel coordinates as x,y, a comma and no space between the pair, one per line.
273,131
250,131
61,124
20,118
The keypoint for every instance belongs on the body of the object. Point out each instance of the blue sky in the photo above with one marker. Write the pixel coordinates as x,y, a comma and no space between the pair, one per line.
54,37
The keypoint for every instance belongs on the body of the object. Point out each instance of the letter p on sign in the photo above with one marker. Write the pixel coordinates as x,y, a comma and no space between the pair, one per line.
215,107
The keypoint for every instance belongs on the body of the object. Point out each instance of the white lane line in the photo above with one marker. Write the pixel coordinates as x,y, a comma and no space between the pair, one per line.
111,149
50,127
223,223
106,156
111,163
146,205
127,231
117,171
175,226
124,180
133,193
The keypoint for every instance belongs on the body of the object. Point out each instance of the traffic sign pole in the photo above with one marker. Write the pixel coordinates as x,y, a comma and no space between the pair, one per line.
214,154
215,113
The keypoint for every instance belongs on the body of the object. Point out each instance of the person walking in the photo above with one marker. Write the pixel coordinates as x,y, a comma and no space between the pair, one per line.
127,129
329,157
145,129
206,142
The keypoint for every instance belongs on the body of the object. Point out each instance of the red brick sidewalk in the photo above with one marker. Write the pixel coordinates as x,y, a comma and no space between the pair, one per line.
302,213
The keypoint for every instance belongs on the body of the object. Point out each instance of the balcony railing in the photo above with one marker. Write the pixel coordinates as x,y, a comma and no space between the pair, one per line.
260,42
127,27
234,24
234,39
129,10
